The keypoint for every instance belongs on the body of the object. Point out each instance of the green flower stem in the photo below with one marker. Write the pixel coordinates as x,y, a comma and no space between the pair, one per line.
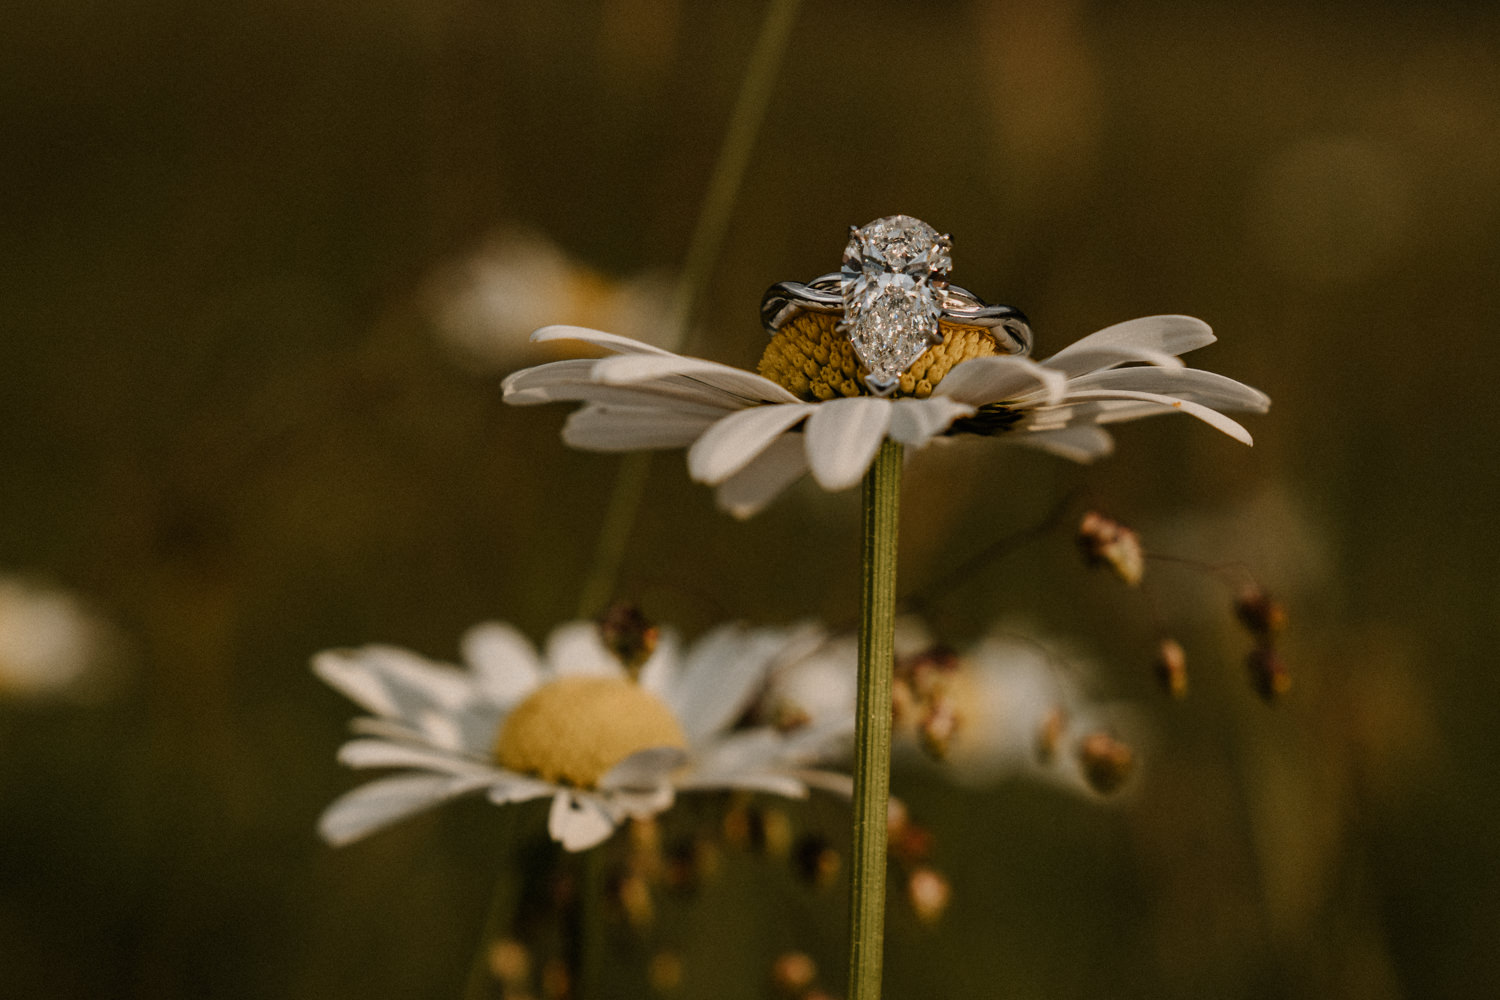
872,740
703,250
588,944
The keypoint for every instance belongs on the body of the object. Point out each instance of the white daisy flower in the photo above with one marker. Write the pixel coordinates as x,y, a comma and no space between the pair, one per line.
751,435
570,724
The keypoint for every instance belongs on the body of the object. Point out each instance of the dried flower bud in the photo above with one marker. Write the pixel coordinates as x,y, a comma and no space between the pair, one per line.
665,972
510,962
927,672
1049,735
775,833
788,716
897,817
939,725
628,635
1259,612
1268,673
908,841
929,893
556,981
689,862
1107,762
1171,668
645,846
1105,542
816,861
634,896
904,703
793,972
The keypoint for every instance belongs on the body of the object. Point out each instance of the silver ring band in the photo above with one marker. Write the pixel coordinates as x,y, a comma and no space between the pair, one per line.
1006,324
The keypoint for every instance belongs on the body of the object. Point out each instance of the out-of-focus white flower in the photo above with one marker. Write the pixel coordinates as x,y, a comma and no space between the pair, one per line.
1011,706
51,644
1026,712
570,724
486,305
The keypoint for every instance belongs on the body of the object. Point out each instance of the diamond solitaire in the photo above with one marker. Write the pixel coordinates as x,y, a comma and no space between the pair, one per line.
892,288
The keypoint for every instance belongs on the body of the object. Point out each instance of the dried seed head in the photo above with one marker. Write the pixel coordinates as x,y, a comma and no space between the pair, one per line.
510,962
1171,668
779,833
1049,734
628,634
929,893
928,671
689,862
1259,612
665,972
904,702
633,893
940,724
793,972
906,840
556,981
1108,543
1107,762
1268,673
816,861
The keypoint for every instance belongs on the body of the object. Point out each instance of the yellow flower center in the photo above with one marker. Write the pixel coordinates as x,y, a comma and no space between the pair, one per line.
815,362
574,729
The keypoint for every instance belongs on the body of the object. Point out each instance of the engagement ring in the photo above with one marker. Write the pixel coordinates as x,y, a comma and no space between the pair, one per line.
894,300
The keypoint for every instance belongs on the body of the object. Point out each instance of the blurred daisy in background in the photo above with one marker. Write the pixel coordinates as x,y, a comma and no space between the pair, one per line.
485,306
1009,707
51,644
752,435
572,724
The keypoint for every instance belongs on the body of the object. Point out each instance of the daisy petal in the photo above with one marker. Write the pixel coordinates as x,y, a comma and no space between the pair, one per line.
578,822
644,770
503,661
382,753
1192,384
632,428
381,803
1077,444
636,368
1213,418
991,380
576,649
660,670
842,437
512,788
642,803
390,681
1156,334
746,492
598,338
536,385
720,676
914,422
573,382
734,441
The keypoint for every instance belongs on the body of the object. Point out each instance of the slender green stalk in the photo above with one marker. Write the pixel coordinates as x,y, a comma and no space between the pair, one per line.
614,532
703,250
734,157
872,740
589,945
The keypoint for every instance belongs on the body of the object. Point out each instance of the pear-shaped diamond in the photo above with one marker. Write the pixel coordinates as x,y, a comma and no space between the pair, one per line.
891,305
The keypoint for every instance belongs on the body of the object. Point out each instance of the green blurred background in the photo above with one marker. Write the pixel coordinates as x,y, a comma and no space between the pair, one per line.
235,425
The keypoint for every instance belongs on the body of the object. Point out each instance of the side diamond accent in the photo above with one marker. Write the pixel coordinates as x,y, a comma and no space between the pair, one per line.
891,283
